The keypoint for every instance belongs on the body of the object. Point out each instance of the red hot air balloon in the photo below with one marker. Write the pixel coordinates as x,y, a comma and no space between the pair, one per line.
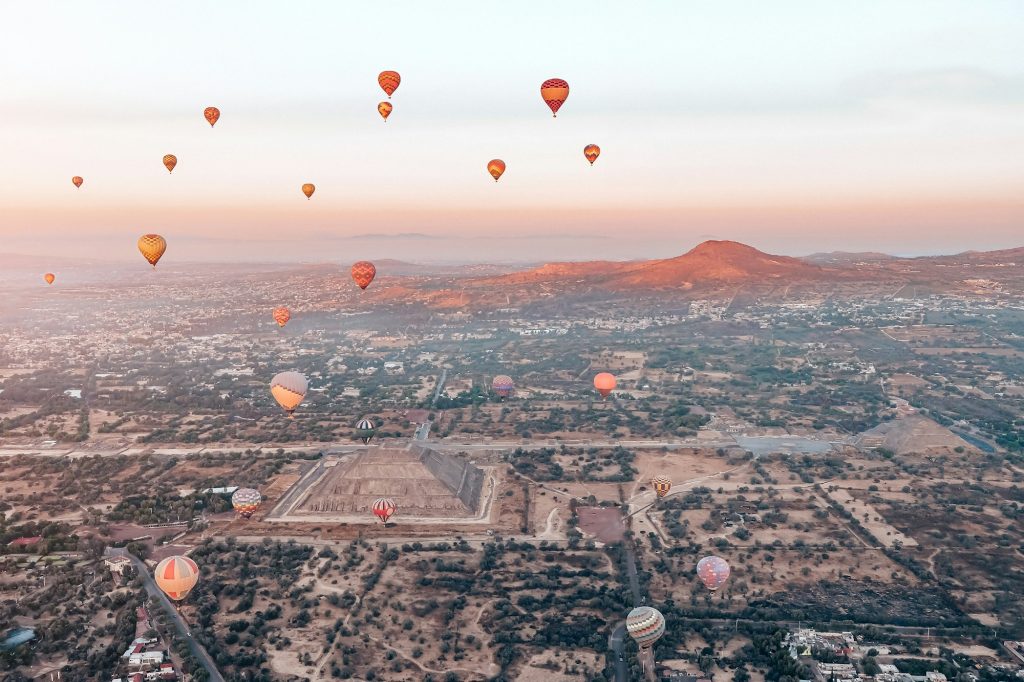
554,91
282,315
591,151
363,273
604,383
389,81
211,114
713,571
385,109
77,181
384,508
496,167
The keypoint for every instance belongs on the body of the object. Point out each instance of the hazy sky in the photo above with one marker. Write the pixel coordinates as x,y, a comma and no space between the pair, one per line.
795,126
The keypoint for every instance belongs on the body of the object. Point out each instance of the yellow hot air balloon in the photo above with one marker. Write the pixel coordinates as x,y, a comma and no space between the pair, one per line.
152,247
591,151
496,167
388,81
176,576
49,277
384,109
308,189
662,484
288,389
170,161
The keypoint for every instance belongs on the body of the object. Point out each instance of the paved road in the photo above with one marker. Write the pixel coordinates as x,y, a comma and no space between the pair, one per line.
186,634
617,643
440,386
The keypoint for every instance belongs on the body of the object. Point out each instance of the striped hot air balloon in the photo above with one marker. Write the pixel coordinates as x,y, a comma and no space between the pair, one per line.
384,508
288,389
503,386
365,430
662,484
363,273
713,571
554,91
176,576
496,167
389,82
591,151
170,161
246,501
385,109
646,625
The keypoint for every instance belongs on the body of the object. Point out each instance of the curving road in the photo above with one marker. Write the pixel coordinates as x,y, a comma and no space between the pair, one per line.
179,623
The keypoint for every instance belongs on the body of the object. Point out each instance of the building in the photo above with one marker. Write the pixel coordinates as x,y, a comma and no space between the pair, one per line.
117,564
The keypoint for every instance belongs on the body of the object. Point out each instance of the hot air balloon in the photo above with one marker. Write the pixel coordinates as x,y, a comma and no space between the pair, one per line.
591,151
49,277
496,167
170,161
713,571
246,501
152,247
363,273
503,386
365,430
288,389
661,484
554,91
384,508
282,315
211,114
77,181
176,576
604,383
646,625
389,81
308,189
384,109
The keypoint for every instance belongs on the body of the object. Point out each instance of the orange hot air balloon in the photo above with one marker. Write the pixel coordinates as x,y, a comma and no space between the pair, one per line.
389,81
384,109
282,315
591,151
170,161
49,277
496,167
554,91
289,389
152,247
604,383
211,114
77,181
308,189
176,576
363,273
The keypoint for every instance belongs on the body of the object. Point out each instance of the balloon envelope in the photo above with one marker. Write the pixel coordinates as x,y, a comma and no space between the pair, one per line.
308,189
662,484
591,151
49,277
152,247
384,109
713,571
246,501
604,383
170,161
496,167
288,389
389,81
646,625
282,315
554,91
176,576
384,508
363,273
77,181
503,385
211,114
365,430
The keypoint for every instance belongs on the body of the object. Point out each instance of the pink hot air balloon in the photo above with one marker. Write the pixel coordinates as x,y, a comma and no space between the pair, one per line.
713,571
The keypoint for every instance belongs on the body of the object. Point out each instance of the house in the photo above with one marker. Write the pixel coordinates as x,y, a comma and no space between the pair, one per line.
25,542
117,564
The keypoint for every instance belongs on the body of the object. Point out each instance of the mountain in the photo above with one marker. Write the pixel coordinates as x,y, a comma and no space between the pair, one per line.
711,262
847,257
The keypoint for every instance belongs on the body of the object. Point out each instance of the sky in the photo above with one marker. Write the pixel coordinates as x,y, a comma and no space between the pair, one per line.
793,126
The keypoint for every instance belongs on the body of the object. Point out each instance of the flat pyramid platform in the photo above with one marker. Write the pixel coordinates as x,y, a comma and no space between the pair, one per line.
423,483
